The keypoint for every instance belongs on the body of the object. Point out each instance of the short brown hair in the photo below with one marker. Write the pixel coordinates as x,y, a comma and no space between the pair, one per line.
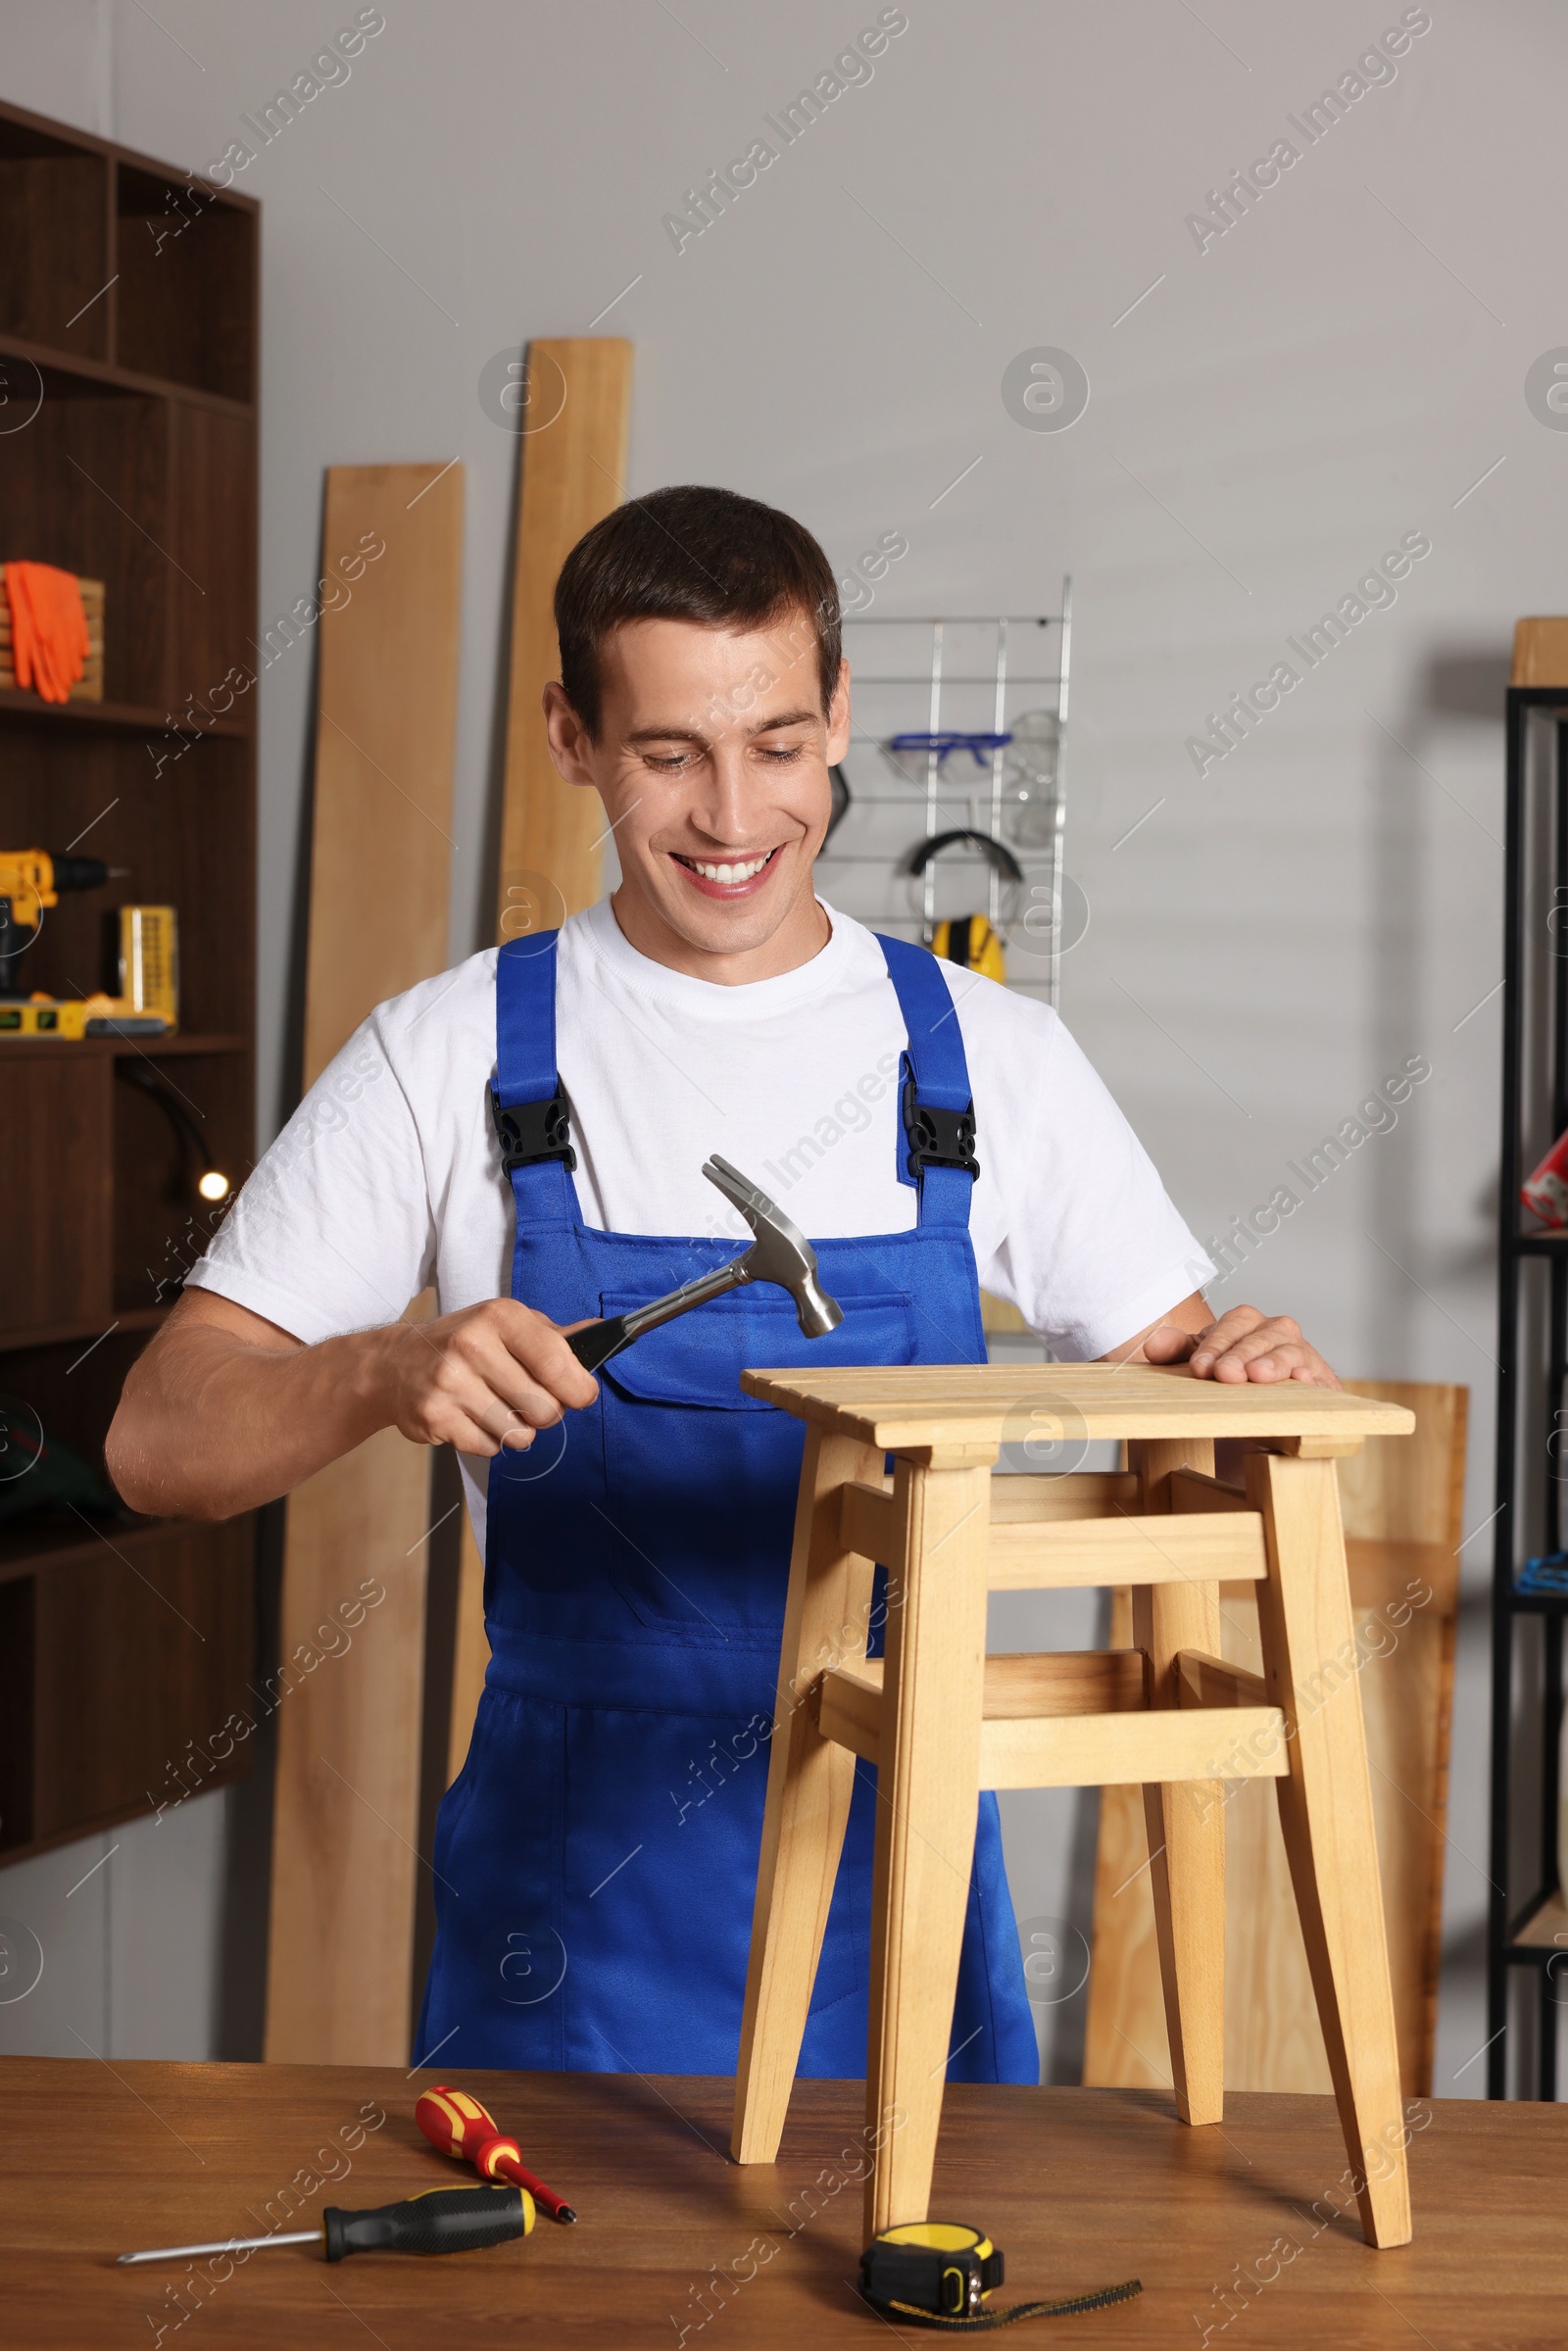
690,554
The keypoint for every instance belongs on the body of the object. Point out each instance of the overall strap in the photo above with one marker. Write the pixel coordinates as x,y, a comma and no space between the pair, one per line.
529,1111
936,1141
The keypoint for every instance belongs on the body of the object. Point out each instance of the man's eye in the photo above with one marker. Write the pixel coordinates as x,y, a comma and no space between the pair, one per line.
782,757
668,763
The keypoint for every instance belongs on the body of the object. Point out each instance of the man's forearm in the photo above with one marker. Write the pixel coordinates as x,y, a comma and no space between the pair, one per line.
210,1426
226,1410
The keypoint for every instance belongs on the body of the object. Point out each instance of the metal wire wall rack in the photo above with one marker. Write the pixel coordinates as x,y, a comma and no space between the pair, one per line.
1528,1917
959,672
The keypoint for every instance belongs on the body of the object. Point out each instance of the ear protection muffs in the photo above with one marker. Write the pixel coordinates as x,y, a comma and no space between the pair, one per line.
972,941
997,854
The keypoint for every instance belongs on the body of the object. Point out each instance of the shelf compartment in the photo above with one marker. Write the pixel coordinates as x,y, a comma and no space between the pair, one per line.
177,815
55,1205
134,1658
54,264
162,1224
186,257
85,486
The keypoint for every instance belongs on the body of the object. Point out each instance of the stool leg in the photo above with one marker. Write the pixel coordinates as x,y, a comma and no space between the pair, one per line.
1310,1659
928,1794
1185,1820
810,1783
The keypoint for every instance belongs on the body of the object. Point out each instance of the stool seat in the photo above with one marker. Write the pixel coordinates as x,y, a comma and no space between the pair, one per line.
941,1721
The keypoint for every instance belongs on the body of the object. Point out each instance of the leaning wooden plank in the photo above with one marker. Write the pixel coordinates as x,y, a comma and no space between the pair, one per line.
1402,1505
346,1813
572,472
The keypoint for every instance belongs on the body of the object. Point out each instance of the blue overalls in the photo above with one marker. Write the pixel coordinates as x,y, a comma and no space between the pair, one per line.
596,1859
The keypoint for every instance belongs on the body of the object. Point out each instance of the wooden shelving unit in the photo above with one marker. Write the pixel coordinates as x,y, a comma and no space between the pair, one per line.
128,454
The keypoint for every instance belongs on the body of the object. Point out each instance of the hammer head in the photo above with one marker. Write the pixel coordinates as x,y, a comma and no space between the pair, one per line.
780,1253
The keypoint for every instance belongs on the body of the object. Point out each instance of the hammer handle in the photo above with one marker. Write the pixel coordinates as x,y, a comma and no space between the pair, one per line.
602,1340
596,1344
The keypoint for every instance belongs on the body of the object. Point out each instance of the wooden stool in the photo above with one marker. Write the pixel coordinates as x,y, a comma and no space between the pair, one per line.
941,1721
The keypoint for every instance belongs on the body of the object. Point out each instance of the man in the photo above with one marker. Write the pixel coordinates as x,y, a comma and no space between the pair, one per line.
596,1859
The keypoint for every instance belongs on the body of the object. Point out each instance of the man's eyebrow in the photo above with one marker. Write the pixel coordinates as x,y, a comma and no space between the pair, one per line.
692,734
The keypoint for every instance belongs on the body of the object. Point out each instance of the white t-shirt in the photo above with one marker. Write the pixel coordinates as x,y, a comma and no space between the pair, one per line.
387,1178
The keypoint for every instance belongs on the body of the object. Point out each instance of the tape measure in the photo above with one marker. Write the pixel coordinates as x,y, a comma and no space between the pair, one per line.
941,2273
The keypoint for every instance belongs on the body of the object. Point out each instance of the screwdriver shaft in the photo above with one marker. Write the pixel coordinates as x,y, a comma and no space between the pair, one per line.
228,2244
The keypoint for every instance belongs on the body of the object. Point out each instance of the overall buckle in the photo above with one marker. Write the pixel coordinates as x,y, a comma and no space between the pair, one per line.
938,1138
530,1132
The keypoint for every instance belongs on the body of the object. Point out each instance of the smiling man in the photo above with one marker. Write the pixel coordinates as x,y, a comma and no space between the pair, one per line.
596,1860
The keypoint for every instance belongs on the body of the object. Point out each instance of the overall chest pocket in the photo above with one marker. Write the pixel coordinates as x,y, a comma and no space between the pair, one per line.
701,1479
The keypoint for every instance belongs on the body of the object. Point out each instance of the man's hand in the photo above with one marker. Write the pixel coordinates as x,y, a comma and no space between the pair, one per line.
482,1378
1245,1344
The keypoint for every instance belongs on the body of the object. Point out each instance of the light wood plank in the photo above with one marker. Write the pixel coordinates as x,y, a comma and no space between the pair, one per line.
346,1795
386,721
810,1783
1153,1549
572,472
470,1652
346,1812
570,476
928,1786
1402,1503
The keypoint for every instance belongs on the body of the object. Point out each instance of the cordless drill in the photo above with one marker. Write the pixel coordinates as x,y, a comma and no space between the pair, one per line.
30,882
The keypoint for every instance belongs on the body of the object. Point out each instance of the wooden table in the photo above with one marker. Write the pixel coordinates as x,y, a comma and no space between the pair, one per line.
1081,2188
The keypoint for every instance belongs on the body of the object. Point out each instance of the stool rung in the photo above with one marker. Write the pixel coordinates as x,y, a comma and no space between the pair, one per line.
1190,1490
1079,1717
1205,1681
1075,1494
1101,1543
1106,1750
1226,1547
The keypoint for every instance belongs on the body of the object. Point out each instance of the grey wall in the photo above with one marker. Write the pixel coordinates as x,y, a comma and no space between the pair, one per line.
1338,369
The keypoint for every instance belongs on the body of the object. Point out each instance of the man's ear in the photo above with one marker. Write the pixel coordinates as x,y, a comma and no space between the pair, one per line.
837,717
568,739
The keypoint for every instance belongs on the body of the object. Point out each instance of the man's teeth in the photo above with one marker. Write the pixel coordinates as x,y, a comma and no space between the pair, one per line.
728,873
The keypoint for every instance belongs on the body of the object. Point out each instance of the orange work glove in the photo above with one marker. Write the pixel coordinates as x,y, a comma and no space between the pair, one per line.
48,628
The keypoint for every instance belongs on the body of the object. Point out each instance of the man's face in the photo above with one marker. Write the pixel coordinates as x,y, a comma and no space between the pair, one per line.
712,763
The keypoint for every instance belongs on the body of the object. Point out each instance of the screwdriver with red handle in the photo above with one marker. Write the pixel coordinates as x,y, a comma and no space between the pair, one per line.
455,2123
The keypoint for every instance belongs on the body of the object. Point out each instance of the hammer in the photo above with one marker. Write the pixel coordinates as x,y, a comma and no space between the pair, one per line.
780,1253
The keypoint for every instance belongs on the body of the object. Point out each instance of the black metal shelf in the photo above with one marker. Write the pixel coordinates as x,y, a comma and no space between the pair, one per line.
1527,1627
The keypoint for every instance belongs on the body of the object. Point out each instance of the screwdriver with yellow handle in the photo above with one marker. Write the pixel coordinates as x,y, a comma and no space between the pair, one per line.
443,2220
